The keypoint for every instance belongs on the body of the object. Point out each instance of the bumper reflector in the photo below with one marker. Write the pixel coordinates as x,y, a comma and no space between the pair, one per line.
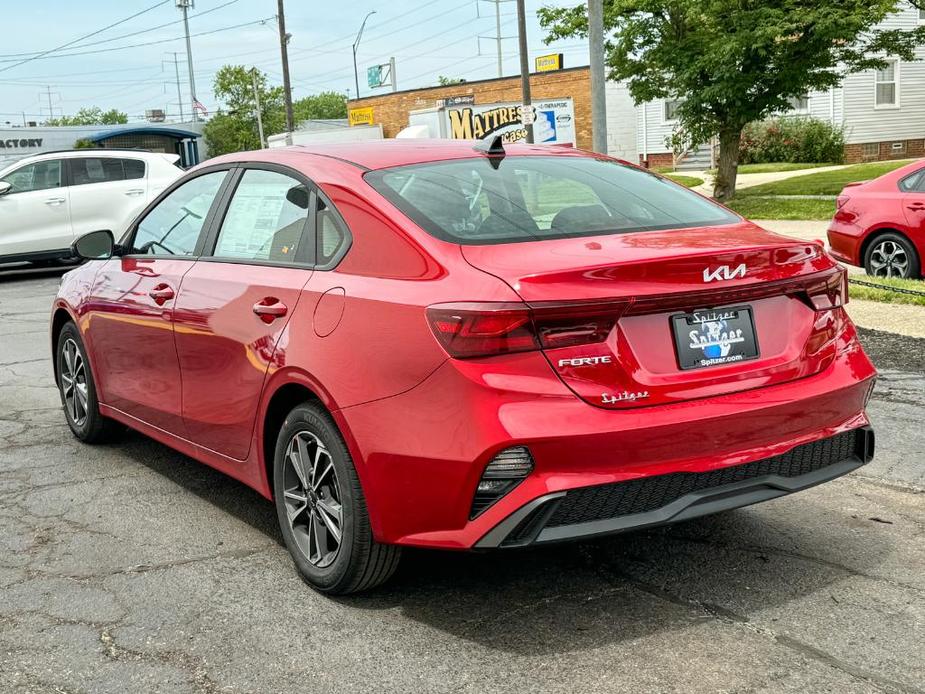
503,473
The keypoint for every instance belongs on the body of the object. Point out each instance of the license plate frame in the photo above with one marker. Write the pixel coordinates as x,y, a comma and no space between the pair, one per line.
723,336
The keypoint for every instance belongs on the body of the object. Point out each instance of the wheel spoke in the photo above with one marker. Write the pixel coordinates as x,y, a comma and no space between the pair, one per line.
297,455
324,473
319,451
331,514
315,534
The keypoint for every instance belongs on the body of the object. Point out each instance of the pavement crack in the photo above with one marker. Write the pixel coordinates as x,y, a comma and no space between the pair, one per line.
819,655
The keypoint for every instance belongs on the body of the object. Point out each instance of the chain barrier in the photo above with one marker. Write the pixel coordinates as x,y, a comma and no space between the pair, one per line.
900,290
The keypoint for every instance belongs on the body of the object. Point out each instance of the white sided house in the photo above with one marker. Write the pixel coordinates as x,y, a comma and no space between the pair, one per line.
882,111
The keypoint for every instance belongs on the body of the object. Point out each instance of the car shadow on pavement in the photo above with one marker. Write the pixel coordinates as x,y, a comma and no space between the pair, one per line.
577,596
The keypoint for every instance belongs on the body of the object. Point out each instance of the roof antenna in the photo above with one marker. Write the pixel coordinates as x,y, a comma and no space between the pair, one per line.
493,148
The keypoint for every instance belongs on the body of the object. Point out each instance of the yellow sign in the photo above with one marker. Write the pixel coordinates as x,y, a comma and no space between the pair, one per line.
548,63
360,116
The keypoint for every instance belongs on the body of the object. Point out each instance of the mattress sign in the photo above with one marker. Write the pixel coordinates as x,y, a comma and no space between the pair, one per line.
553,122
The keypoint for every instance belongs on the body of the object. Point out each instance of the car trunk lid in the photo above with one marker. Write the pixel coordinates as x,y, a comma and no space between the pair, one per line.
615,315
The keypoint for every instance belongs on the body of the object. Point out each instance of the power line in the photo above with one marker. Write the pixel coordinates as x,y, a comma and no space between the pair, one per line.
86,36
134,33
148,43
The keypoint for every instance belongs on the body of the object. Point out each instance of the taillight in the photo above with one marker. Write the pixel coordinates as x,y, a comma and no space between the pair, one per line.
568,325
468,330
482,329
829,292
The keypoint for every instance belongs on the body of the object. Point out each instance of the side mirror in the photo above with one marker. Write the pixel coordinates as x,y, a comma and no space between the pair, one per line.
95,245
5,187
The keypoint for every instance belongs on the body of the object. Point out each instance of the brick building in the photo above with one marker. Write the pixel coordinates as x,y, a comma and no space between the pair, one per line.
392,110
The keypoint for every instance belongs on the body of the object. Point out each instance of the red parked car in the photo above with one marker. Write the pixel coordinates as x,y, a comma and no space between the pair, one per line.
880,224
435,344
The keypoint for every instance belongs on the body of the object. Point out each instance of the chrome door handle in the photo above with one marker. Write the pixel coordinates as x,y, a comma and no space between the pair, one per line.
53,201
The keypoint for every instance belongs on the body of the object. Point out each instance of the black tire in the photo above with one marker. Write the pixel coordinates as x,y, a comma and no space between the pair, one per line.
359,562
87,424
879,261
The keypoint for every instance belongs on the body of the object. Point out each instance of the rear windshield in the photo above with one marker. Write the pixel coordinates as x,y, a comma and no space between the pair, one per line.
471,201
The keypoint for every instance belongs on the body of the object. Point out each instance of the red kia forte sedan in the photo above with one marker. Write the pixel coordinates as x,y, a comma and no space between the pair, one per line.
880,224
449,345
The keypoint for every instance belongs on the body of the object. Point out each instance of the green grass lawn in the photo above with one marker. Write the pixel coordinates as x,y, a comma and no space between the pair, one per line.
775,166
886,296
689,181
754,207
823,182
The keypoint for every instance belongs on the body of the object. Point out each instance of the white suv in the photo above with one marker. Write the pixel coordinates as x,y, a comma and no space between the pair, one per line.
48,200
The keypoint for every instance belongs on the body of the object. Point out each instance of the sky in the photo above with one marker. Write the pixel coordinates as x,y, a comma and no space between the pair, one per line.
111,70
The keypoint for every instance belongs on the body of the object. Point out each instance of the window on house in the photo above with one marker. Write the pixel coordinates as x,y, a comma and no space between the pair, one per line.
870,150
922,15
886,86
671,109
799,104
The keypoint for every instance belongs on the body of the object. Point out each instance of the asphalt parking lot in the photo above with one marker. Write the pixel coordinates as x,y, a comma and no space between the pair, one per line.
129,567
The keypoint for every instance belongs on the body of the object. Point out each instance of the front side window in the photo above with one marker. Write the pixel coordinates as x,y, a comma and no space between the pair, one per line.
174,225
265,219
88,170
41,175
532,198
886,93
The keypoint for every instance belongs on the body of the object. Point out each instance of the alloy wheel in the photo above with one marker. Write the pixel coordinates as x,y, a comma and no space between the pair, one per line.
74,383
889,259
312,498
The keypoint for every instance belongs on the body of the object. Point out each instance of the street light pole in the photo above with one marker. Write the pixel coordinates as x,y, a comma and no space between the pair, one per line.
598,80
524,64
356,74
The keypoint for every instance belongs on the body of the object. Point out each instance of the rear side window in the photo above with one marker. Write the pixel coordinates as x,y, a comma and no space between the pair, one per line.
266,218
332,235
914,183
470,201
174,225
91,170
133,168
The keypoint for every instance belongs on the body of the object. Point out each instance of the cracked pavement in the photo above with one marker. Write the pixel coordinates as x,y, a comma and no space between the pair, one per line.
129,567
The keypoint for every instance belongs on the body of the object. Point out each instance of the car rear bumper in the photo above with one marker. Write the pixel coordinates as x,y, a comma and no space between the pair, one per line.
420,454
661,499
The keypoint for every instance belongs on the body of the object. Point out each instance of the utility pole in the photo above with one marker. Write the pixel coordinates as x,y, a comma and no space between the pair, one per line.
598,80
392,74
184,6
176,72
497,38
257,102
51,113
284,53
524,66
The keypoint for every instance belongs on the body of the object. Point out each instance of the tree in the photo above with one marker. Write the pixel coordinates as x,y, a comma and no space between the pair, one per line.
325,105
234,127
93,115
444,81
733,62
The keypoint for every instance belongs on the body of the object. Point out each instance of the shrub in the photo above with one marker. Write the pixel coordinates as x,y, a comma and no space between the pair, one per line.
792,139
